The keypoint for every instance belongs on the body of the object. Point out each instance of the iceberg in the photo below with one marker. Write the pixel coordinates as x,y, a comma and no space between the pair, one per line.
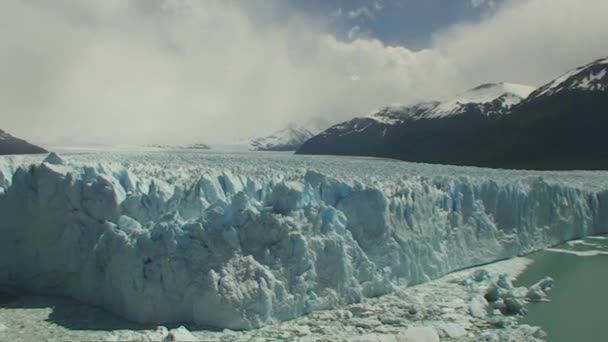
227,244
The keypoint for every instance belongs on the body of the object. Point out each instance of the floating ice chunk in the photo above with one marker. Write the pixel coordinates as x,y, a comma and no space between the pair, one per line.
373,337
545,284
180,334
451,330
478,307
537,292
514,306
3,327
535,332
418,334
589,253
517,292
481,275
161,334
581,242
504,282
494,293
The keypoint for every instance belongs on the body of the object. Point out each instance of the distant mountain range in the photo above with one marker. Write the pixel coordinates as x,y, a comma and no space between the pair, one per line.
560,125
193,146
12,145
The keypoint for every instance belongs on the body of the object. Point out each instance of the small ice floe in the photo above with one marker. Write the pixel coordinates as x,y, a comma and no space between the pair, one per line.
161,334
506,299
537,292
589,253
581,243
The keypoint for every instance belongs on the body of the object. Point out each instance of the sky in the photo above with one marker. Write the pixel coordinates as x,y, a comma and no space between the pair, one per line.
181,71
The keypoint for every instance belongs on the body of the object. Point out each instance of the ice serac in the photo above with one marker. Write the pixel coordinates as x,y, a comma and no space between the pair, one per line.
243,250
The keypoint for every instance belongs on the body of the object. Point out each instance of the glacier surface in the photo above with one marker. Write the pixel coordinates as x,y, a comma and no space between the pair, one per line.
239,241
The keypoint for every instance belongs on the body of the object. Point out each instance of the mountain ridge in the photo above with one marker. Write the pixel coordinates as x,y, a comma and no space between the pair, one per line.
541,131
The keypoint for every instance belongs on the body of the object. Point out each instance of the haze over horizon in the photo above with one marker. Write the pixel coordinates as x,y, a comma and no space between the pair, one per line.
166,71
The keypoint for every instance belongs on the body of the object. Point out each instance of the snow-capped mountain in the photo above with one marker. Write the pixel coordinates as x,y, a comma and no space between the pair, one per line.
382,132
559,126
489,99
591,77
379,120
291,137
12,145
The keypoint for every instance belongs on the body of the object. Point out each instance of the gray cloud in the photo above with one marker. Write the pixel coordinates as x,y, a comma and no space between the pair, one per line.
527,41
183,70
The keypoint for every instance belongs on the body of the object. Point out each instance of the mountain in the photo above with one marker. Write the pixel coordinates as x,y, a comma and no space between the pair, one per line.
288,139
291,137
489,99
558,126
591,77
12,145
420,132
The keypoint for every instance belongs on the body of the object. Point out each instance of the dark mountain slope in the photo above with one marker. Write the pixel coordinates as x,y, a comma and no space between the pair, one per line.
12,145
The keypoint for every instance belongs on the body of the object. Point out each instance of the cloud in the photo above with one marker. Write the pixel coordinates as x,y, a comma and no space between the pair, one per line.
378,5
527,41
353,32
362,11
479,3
184,70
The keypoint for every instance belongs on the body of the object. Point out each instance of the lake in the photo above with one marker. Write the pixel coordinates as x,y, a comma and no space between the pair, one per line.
579,301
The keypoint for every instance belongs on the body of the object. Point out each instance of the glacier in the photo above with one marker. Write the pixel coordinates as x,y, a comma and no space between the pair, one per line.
240,241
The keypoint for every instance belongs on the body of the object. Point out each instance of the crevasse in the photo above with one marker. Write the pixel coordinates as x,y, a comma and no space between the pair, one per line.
243,250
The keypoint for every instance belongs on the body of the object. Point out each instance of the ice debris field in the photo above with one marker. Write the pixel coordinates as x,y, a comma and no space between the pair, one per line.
244,240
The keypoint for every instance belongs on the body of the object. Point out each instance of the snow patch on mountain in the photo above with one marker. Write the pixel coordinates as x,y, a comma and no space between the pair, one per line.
390,115
591,77
489,99
501,96
4,135
398,113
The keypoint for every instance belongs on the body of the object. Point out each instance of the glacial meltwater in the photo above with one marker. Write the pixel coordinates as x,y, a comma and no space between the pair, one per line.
579,301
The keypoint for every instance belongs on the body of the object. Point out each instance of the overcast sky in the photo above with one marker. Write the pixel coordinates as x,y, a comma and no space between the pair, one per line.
144,71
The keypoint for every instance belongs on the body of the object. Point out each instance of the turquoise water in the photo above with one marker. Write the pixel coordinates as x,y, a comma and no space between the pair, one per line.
579,302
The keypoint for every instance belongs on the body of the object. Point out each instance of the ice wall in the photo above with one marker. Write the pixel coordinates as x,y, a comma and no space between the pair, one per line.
239,251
